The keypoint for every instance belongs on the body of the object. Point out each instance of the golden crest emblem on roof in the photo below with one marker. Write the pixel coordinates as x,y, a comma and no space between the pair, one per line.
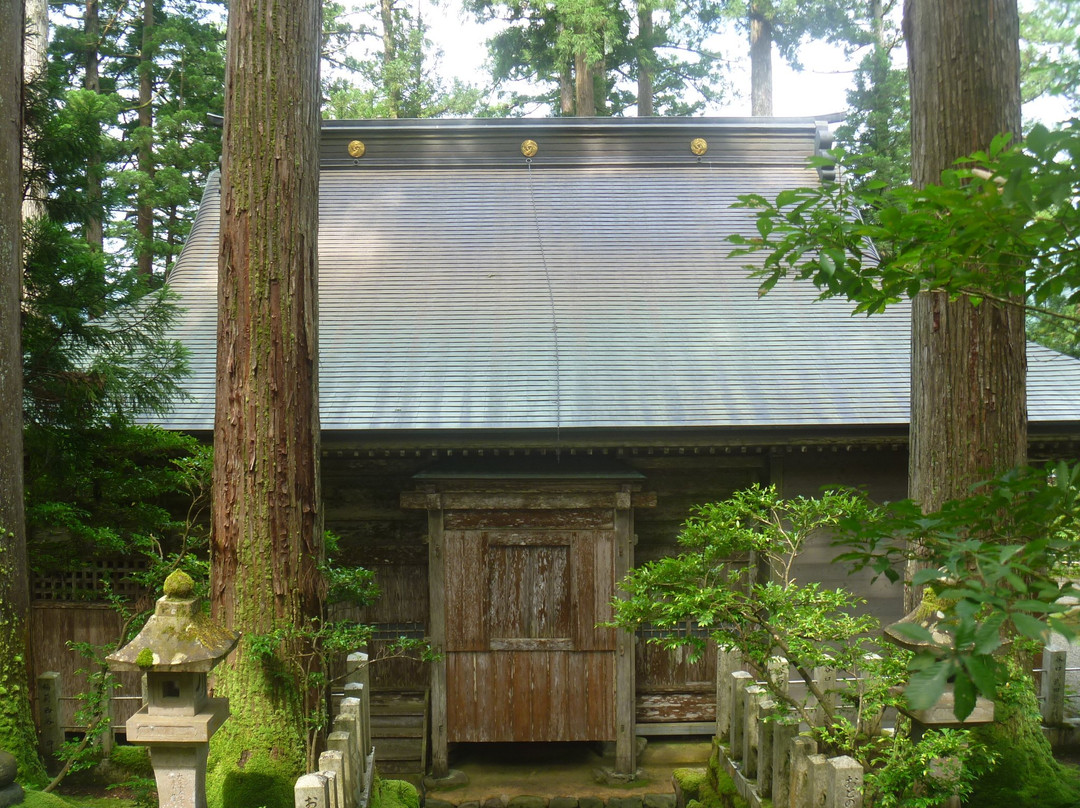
357,148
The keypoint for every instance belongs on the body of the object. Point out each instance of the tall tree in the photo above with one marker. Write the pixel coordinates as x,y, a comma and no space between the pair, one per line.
266,533
17,733
968,361
1051,51
968,367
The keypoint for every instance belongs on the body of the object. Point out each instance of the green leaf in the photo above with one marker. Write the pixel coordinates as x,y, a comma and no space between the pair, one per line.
964,694
983,672
913,632
1029,626
926,686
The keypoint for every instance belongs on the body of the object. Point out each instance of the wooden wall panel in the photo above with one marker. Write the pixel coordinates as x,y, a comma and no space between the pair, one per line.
52,625
530,696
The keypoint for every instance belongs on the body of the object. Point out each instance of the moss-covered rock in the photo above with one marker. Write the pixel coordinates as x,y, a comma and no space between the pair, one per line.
394,794
39,799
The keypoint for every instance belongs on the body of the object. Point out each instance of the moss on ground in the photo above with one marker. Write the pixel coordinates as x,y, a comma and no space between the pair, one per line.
394,794
38,799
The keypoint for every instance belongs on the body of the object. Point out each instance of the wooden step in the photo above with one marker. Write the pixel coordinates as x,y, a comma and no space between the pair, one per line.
399,731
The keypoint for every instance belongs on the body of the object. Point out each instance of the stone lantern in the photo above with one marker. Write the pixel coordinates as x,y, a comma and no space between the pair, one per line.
176,650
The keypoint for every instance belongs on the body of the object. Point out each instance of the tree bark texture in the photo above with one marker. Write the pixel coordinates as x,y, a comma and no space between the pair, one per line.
17,733
35,62
391,81
645,67
968,363
144,214
761,94
95,235
584,86
267,522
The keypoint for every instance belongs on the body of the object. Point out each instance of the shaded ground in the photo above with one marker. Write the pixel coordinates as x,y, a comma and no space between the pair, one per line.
563,770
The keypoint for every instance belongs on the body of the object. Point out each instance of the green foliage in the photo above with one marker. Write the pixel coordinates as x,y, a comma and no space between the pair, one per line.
1000,566
1051,50
710,585
398,73
925,773
1005,226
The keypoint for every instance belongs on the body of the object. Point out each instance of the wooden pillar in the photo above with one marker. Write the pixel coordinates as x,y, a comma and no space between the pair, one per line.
625,742
440,761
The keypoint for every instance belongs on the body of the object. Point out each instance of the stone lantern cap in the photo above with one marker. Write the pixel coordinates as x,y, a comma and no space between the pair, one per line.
178,638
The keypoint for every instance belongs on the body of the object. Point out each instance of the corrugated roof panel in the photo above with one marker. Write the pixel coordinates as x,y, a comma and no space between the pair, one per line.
576,295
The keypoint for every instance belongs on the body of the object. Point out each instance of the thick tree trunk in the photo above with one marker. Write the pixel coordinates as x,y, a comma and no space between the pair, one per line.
566,89
584,86
144,214
968,399
17,734
645,67
761,100
95,236
266,540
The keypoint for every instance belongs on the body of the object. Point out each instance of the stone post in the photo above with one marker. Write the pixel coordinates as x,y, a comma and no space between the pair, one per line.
766,709
1053,687
783,734
825,679
52,729
801,750
844,780
338,741
358,672
738,682
311,791
751,695
726,663
817,780
333,761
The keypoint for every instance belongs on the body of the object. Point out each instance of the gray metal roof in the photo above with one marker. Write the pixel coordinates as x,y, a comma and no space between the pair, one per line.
463,287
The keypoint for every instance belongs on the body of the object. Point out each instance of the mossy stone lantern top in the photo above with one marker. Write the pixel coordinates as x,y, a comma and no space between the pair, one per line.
177,647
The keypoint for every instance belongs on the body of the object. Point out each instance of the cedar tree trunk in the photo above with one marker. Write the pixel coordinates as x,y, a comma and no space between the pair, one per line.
968,363
95,236
644,60
761,101
17,734
584,86
144,214
266,541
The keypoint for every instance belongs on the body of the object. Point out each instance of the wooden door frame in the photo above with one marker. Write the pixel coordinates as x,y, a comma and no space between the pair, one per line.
622,497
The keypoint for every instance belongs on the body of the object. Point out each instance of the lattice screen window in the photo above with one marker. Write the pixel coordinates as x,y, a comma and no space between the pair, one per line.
91,583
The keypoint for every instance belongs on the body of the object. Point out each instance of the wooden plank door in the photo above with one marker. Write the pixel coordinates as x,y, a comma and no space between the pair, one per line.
525,658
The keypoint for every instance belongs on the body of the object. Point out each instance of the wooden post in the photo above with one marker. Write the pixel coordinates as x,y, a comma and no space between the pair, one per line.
738,682
625,742
440,761
1053,687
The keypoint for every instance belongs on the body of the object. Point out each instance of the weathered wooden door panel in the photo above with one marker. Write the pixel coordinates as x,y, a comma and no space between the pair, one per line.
530,696
671,687
525,659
